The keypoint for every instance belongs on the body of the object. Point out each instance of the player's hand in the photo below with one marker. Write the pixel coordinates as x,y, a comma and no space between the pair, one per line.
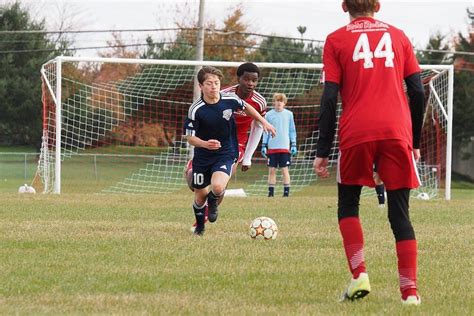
213,144
264,152
416,154
244,168
293,151
320,166
267,127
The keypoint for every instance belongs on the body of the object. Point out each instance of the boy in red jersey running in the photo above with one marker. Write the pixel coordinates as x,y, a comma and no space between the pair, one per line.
248,75
367,61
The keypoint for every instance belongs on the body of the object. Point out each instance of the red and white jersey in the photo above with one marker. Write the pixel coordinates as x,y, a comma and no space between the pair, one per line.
369,59
242,120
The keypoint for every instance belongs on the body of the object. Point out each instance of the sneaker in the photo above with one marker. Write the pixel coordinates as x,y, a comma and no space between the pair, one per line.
357,289
381,205
206,213
412,300
212,210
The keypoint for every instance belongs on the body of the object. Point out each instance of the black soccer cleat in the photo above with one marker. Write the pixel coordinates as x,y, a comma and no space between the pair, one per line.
212,206
213,212
199,231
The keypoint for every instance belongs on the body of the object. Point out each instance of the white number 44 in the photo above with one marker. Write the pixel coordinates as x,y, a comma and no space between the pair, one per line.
383,50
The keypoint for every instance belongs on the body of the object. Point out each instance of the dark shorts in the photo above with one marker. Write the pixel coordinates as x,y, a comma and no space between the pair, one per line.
202,174
279,160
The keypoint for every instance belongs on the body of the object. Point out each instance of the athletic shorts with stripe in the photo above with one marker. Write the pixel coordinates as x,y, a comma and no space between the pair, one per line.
394,160
202,174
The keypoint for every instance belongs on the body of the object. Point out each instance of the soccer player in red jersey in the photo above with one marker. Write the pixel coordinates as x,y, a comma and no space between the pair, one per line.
367,61
248,75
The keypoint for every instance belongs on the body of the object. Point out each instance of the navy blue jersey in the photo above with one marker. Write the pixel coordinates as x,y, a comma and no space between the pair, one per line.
214,121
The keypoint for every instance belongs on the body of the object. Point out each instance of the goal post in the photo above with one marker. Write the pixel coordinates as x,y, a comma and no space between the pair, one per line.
115,124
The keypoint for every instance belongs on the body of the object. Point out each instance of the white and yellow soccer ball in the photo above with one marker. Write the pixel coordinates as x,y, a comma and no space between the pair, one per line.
263,228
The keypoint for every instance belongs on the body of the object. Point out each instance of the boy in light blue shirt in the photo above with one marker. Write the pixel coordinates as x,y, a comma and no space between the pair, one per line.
278,149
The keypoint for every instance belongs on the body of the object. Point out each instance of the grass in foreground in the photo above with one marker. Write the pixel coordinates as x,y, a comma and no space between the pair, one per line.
83,254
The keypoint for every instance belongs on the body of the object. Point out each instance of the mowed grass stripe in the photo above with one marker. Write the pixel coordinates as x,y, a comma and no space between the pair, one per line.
129,254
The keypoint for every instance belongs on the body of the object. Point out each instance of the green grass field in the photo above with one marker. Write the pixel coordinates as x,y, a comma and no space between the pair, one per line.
134,254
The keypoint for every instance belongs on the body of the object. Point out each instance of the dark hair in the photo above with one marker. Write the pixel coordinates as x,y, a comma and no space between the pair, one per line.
247,67
361,7
201,75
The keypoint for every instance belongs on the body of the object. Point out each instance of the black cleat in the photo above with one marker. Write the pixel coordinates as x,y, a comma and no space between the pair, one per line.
199,231
212,207
213,212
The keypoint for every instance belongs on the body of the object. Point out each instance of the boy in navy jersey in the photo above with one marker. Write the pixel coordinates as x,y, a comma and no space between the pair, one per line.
249,131
210,128
367,61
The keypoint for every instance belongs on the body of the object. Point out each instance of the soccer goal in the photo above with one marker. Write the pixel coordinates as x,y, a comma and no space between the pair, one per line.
115,125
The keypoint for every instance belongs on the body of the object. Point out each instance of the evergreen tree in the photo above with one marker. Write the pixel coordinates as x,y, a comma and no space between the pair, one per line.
432,55
280,49
21,57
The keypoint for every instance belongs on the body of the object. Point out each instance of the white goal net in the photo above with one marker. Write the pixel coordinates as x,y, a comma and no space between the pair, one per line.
115,125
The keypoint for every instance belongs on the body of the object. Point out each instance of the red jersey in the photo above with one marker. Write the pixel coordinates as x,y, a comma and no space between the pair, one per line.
369,60
242,120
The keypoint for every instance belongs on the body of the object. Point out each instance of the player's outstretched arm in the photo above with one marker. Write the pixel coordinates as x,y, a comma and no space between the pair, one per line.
256,132
267,127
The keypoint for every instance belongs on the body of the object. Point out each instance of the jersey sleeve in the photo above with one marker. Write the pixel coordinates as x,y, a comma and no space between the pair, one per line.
331,67
238,103
190,126
263,107
411,65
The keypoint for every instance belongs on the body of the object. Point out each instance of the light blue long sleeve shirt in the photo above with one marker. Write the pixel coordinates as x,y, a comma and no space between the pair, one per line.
284,124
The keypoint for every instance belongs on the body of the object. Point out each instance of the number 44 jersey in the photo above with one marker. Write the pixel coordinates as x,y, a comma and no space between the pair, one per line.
369,59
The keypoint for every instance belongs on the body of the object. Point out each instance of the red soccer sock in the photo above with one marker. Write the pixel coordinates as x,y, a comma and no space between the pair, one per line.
407,253
353,240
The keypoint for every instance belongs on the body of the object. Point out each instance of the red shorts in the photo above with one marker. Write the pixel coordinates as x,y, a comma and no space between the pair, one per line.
393,158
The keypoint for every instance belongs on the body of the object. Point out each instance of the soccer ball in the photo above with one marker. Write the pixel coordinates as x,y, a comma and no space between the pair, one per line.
26,189
263,228
423,196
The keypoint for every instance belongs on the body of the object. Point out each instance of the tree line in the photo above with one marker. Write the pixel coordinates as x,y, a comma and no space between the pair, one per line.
22,54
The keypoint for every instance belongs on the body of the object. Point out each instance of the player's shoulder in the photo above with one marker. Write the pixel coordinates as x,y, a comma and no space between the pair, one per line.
230,96
195,106
394,30
260,99
270,112
336,33
230,89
